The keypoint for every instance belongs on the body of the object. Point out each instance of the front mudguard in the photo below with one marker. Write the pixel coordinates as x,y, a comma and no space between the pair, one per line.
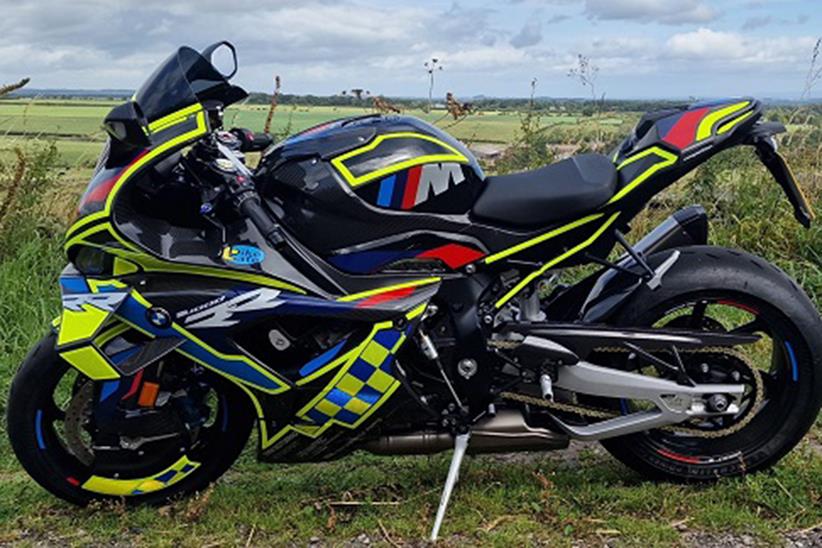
604,292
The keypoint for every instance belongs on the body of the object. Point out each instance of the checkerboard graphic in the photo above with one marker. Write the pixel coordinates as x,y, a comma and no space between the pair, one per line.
368,378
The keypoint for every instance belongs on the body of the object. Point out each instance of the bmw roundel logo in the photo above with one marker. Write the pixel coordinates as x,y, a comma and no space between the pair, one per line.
158,317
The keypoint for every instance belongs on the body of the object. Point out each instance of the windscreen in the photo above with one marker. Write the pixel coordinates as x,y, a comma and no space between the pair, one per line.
182,80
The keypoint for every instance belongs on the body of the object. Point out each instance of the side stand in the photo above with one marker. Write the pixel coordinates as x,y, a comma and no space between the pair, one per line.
460,446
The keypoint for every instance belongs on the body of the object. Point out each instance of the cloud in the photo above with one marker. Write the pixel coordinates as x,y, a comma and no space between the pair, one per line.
323,46
559,18
668,12
711,46
530,34
752,23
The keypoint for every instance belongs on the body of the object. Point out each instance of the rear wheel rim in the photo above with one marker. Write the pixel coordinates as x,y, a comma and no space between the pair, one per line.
778,368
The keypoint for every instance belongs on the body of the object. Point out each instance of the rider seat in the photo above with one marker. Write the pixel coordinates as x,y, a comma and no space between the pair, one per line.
558,191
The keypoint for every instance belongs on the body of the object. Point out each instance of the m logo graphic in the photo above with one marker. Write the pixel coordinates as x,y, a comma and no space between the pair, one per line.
414,186
437,178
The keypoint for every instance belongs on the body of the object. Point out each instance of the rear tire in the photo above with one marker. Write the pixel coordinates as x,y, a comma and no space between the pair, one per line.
751,284
48,461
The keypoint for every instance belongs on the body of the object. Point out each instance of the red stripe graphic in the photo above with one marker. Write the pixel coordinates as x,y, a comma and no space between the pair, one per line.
735,304
385,297
101,191
453,255
409,198
683,131
680,458
135,384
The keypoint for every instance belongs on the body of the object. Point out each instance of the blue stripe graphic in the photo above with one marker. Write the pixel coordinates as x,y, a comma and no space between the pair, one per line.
38,429
386,191
109,388
794,366
321,360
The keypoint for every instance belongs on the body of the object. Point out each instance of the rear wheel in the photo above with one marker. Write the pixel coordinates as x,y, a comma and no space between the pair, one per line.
166,431
717,289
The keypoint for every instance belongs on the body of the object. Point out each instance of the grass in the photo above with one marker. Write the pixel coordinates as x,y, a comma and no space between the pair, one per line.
535,500
582,497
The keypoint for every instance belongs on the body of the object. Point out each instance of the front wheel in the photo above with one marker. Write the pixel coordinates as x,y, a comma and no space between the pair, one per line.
168,430
713,288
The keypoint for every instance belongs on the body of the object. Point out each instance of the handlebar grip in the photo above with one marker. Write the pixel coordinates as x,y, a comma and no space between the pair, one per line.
251,207
252,142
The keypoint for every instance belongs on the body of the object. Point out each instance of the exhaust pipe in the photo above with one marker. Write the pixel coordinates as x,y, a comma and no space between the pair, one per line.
504,432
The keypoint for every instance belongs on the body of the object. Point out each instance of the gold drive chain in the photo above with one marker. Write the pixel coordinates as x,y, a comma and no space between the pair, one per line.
596,413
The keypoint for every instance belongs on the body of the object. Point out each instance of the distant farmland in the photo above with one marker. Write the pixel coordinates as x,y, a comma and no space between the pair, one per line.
75,124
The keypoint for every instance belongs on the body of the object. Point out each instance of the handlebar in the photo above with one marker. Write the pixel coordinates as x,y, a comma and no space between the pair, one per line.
252,142
251,207
238,186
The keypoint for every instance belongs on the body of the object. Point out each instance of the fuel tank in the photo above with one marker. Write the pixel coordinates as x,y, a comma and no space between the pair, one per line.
373,191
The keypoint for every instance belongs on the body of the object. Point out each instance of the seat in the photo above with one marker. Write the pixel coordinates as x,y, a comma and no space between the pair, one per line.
551,193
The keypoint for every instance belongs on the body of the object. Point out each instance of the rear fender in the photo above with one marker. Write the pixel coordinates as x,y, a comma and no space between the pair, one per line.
611,288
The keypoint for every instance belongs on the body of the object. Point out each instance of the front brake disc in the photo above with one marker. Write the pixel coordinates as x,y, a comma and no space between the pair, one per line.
78,415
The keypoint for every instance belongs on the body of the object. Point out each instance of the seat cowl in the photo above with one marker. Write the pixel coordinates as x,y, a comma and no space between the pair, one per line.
542,196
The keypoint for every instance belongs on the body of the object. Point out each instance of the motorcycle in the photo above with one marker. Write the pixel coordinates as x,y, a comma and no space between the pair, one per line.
367,287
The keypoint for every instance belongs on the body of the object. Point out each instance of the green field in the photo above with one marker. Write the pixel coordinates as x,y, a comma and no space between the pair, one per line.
580,497
75,124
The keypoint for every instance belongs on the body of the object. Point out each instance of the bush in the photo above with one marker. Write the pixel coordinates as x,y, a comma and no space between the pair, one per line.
27,181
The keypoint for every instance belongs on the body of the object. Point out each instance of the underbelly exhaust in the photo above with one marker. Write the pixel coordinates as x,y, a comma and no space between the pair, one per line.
505,432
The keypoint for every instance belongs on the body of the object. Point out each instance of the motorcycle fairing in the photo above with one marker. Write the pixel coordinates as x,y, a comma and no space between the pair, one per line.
87,307
364,382
345,384
176,131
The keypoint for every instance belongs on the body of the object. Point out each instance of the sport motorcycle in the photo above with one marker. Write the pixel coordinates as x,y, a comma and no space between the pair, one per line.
367,287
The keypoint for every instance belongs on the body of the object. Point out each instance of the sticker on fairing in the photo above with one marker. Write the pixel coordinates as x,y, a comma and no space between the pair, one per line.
243,254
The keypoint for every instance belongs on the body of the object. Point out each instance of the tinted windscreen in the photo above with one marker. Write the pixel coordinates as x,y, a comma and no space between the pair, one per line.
177,83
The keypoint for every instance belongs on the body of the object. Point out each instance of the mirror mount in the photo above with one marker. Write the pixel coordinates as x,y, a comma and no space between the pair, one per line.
126,124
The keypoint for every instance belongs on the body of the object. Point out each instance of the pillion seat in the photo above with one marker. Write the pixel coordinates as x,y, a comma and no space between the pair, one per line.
551,193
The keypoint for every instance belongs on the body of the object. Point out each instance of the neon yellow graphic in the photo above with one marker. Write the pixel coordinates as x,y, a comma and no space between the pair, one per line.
148,263
109,334
174,118
728,126
553,262
129,487
78,325
541,238
266,440
453,155
91,363
359,388
668,158
282,386
201,129
123,267
707,124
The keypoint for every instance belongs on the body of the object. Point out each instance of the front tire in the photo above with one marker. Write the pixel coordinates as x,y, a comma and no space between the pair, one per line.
704,277
38,440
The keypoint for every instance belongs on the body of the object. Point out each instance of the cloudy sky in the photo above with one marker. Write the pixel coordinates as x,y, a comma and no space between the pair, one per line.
644,48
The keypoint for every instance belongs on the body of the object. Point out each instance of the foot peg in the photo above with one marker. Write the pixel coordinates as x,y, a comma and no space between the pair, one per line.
547,386
460,446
